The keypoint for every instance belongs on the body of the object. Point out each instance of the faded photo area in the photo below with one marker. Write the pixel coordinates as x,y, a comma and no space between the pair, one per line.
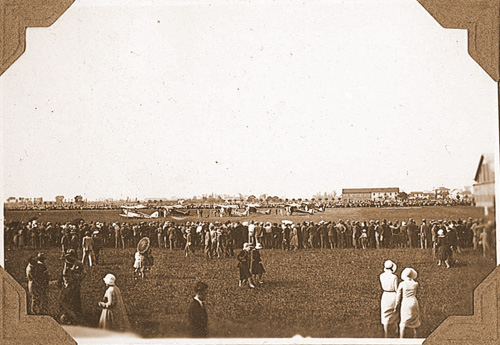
227,169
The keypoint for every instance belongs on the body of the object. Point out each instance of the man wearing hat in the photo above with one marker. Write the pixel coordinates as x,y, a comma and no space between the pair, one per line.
197,312
38,284
69,298
98,244
65,241
74,242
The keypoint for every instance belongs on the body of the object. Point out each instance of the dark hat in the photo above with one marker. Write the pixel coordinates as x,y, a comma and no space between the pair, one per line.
200,286
40,257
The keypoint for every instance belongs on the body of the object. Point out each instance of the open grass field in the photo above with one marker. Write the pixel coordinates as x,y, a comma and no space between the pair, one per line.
362,213
317,293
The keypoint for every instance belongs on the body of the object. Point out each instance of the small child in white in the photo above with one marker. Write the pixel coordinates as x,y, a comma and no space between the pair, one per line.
139,265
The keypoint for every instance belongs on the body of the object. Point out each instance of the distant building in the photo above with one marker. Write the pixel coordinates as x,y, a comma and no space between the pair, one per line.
441,192
484,188
59,200
374,194
416,195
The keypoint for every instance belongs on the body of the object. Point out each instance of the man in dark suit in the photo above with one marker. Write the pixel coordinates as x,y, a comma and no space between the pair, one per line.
197,313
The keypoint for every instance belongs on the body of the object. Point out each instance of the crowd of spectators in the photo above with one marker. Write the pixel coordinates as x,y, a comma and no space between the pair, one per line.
222,238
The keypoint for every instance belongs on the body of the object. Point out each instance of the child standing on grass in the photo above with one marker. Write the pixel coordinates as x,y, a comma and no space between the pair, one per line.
138,265
148,260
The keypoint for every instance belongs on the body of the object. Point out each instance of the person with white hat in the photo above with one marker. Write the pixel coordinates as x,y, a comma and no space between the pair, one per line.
389,284
257,266
244,260
189,242
114,315
443,249
407,294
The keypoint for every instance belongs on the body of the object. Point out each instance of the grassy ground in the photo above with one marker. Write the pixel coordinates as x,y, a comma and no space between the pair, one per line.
317,293
367,213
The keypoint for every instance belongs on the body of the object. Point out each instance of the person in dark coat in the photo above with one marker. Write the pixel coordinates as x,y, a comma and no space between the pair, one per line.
38,284
244,261
197,312
74,272
443,249
257,266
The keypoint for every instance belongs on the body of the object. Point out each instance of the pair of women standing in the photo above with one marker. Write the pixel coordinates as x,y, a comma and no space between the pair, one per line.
403,295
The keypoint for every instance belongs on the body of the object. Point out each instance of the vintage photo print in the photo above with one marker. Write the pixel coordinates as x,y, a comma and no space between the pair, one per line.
258,169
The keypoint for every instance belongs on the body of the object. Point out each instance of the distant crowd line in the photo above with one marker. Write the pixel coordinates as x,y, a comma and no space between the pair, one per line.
267,205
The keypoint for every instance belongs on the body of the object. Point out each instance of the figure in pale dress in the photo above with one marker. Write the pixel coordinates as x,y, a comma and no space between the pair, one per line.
389,285
407,298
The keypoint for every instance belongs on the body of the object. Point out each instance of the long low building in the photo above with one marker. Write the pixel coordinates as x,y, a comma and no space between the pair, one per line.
374,194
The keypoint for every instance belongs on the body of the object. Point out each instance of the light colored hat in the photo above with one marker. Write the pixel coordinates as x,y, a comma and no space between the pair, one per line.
389,265
403,223
408,273
109,279
440,233
258,246
246,245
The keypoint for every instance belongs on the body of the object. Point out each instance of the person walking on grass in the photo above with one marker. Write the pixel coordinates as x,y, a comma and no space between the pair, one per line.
257,266
443,251
406,297
389,284
114,315
197,312
244,261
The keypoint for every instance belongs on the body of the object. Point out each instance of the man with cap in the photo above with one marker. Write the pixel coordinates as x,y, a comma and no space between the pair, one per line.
197,312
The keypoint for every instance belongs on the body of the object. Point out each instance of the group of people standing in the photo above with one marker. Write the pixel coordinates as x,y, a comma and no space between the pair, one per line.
402,296
220,239
250,265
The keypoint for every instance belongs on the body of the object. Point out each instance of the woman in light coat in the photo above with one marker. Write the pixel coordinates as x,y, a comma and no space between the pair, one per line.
114,315
407,294
389,284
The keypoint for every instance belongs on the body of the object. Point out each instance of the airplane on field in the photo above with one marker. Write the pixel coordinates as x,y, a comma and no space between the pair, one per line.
227,209
297,209
134,213
254,208
176,210
303,208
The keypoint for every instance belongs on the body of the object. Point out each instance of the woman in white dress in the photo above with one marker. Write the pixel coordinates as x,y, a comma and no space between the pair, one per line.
114,315
407,294
389,284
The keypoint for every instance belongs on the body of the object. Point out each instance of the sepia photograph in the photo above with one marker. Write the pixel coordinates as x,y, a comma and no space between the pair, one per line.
248,169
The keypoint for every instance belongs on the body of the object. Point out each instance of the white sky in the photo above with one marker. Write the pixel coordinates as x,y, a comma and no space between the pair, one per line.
286,98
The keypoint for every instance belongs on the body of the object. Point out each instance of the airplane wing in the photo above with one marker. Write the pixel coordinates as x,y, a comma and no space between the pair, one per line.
135,207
